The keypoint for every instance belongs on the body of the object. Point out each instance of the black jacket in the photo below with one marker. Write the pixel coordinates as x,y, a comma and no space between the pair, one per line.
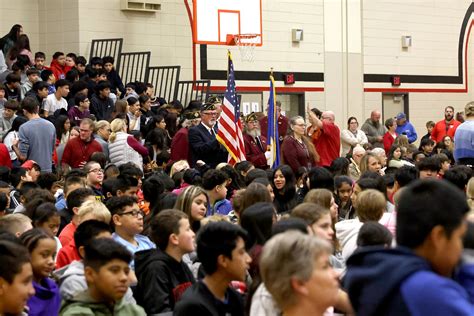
115,82
102,108
199,301
205,147
161,280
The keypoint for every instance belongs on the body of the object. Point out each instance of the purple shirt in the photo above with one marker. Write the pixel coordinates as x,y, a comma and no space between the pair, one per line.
46,301
75,115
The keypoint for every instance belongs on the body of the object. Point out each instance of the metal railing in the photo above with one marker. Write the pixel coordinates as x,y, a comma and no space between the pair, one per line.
134,66
165,80
192,90
107,47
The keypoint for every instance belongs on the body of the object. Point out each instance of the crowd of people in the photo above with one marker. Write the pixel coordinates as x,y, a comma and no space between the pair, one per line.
114,201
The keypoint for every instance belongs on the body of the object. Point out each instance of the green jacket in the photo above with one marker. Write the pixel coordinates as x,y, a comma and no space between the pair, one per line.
84,305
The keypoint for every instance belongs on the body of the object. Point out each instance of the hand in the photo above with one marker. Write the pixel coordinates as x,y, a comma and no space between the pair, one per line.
138,113
15,142
380,138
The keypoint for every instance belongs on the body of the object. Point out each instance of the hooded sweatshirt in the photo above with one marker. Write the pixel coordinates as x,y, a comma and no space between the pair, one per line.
83,304
396,281
46,300
161,280
73,281
58,70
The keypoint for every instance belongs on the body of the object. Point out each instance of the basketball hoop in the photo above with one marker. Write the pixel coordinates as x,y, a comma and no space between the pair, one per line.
246,44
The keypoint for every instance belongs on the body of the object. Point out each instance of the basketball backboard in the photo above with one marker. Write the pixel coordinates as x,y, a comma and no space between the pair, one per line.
215,19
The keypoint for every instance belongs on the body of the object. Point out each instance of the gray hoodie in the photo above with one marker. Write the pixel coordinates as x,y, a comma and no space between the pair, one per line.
373,130
73,281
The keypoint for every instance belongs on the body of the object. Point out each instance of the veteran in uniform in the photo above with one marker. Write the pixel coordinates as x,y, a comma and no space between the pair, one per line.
255,143
282,123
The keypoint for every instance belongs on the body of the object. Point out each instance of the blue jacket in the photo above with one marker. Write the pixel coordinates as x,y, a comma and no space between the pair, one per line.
408,130
397,282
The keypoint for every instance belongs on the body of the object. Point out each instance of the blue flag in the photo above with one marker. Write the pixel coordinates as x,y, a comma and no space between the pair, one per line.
273,157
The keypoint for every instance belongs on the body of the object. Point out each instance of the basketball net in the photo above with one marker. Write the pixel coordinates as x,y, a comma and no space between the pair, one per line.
246,44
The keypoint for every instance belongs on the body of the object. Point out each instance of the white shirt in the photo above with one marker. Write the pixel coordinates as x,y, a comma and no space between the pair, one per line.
52,104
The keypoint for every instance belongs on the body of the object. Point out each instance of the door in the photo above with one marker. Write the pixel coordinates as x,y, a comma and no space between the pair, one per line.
392,104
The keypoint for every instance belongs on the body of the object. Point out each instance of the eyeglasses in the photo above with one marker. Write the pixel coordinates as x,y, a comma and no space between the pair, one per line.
96,171
134,213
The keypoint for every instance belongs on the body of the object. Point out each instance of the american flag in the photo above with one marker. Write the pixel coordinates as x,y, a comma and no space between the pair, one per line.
230,126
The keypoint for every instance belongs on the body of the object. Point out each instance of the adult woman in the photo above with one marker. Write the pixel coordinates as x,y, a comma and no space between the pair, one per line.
11,135
370,162
123,147
193,201
294,268
63,127
390,135
284,186
352,136
7,42
102,133
21,47
296,149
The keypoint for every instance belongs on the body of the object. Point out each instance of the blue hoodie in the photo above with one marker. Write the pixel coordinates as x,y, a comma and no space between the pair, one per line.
408,130
393,282
46,301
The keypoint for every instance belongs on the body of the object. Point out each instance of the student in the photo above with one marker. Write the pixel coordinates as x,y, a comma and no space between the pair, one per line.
426,146
127,220
40,57
8,116
80,110
12,87
370,206
58,66
193,202
120,186
101,104
214,182
57,101
107,274
47,218
48,77
16,224
221,249
88,210
95,176
374,234
42,249
116,84
343,186
16,277
162,275
32,77
415,277
428,168
72,280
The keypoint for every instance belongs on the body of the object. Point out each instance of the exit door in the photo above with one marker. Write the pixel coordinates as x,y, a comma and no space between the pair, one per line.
392,104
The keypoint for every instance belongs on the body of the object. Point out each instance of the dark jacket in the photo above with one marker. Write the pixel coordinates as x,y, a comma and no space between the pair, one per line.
161,280
198,300
205,147
115,82
393,282
102,108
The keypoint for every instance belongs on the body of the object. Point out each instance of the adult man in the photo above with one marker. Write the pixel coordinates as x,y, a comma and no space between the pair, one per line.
374,129
445,127
224,259
328,144
179,144
404,127
101,105
255,144
57,101
282,123
202,139
415,278
464,138
37,137
78,150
